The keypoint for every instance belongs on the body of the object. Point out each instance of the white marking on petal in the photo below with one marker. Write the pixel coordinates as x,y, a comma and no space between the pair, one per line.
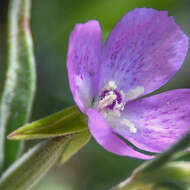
130,125
78,80
134,93
122,94
114,113
168,102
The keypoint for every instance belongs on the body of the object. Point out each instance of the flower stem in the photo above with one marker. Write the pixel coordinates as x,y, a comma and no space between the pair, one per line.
149,169
168,155
33,165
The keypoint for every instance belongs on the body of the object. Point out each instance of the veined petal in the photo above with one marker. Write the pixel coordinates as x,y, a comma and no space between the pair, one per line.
84,58
104,135
145,49
154,123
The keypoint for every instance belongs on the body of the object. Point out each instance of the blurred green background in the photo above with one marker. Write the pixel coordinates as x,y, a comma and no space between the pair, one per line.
52,21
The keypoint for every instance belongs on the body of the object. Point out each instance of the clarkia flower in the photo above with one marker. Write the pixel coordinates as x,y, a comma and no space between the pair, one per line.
144,50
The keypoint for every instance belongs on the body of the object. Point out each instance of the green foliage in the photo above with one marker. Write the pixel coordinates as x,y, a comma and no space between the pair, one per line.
65,122
17,96
74,145
15,109
34,164
171,176
160,172
51,53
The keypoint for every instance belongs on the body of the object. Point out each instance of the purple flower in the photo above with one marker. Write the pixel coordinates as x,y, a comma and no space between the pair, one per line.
145,49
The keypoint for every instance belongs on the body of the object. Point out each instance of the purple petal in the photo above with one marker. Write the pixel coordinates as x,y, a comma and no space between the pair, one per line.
84,58
155,123
106,138
145,49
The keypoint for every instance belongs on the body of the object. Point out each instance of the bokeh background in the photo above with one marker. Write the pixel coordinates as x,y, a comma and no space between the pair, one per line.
52,21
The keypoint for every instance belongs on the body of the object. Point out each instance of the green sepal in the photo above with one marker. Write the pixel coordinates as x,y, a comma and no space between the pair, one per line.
74,145
65,122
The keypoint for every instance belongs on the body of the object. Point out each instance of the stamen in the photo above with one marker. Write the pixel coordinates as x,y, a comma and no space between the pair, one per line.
107,100
111,100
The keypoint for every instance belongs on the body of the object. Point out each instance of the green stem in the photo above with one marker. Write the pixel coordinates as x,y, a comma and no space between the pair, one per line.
18,93
33,165
170,154
148,169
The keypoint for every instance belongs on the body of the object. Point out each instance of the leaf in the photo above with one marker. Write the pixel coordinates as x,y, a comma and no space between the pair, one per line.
33,165
65,122
18,93
74,145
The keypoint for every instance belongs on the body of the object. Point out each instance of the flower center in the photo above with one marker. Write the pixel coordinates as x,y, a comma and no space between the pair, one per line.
110,103
110,99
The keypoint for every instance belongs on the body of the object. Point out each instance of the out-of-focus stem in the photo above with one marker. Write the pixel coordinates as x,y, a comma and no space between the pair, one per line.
149,170
17,97
33,165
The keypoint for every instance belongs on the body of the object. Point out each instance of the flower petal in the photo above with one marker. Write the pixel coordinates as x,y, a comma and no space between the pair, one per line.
84,58
106,138
145,49
154,123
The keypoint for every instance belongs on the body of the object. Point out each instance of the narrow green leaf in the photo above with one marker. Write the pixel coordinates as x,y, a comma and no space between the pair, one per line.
65,122
74,145
33,165
17,96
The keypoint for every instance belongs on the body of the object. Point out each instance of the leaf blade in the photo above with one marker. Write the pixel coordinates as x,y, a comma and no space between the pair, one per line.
65,122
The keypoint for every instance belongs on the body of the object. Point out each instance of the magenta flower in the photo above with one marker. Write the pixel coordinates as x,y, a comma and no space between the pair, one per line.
145,50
